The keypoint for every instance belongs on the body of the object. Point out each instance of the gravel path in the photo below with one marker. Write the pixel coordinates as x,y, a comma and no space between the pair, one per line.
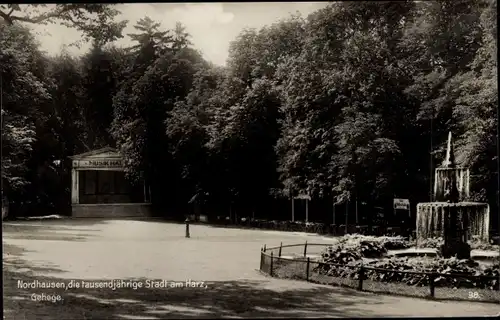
224,259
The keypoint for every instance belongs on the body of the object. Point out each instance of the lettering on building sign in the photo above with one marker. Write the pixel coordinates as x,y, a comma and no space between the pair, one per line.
102,163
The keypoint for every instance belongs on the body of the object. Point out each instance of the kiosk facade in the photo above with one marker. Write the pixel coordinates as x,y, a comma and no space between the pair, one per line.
99,188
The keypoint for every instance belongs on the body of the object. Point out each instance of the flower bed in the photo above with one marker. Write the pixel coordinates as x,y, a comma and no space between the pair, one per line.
353,251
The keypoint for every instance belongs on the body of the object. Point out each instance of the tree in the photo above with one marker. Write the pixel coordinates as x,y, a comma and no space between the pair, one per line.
255,128
255,54
350,103
95,21
476,99
100,83
306,145
242,56
440,41
344,104
21,92
128,127
158,78
149,32
180,37
67,106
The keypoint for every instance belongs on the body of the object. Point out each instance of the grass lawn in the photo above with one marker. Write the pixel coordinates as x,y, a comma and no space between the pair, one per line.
225,260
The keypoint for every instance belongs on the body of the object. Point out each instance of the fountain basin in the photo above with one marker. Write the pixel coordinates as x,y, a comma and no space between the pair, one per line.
474,215
479,255
484,254
414,252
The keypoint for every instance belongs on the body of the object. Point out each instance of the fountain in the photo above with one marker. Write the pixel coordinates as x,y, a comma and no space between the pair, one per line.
451,216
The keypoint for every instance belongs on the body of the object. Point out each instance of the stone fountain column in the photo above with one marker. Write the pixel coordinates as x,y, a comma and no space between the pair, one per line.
455,242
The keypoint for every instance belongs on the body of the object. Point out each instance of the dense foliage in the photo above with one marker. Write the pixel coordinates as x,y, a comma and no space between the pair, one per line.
352,103
344,258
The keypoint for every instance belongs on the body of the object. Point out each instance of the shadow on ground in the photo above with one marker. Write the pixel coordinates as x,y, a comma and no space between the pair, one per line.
65,221
46,231
219,299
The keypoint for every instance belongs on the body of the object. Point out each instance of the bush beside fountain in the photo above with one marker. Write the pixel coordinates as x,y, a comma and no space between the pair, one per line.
356,251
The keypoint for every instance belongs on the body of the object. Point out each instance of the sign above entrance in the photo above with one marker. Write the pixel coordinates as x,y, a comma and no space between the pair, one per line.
115,163
401,204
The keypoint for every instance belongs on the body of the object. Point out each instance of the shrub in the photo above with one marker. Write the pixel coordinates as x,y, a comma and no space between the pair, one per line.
395,243
478,244
433,243
352,247
340,255
448,270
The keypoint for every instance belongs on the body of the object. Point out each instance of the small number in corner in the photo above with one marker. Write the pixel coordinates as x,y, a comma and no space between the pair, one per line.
473,295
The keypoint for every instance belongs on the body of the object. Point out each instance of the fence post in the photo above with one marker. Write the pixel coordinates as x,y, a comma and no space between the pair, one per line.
432,277
307,268
361,274
271,266
261,259
264,248
279,252
305,249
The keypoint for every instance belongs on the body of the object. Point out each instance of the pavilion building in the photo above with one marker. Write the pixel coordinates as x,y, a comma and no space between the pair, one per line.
99,188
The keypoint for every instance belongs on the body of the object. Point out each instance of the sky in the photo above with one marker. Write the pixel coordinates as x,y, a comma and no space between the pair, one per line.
212,25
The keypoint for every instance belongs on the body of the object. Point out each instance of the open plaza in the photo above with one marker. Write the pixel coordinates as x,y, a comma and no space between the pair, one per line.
214,273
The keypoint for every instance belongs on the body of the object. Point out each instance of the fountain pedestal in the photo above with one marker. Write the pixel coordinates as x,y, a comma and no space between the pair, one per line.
458,249
455,241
